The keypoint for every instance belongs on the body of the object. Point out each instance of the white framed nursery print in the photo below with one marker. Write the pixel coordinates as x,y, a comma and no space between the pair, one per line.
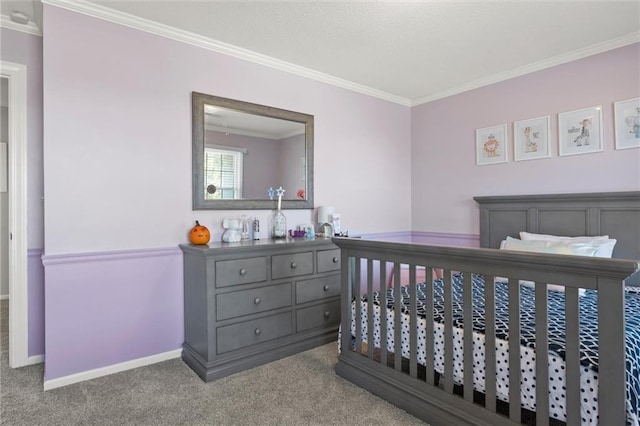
580,131
491,145
627,122
531,139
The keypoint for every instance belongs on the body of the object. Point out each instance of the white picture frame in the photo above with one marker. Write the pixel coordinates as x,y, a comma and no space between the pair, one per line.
580,131
627,123
531,139
491,145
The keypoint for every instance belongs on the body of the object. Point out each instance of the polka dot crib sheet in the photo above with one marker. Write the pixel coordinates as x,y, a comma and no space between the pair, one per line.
588,343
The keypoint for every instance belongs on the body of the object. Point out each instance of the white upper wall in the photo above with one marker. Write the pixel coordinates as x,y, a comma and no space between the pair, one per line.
117,120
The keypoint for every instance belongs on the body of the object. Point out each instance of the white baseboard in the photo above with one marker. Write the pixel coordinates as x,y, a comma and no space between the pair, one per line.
4,297
111,369
35,359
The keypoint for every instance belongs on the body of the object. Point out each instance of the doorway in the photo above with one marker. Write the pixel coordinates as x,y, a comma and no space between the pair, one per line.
15,77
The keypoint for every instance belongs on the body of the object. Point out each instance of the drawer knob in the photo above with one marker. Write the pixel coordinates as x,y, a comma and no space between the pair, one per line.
326,287
243,272
258,332
257,300
294,265
327,314
335,259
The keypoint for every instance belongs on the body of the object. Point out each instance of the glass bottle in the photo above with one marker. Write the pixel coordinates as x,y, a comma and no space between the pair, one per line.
256,229
245,227
279,230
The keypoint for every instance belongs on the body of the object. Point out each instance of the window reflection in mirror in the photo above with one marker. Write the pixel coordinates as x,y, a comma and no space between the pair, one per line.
223,177
262,152
243,149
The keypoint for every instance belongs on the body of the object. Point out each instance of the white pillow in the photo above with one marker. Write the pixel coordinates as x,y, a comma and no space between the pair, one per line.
545,237
554,247
604,244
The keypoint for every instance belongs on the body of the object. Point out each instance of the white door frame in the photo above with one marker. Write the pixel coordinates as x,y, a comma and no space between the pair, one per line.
17,159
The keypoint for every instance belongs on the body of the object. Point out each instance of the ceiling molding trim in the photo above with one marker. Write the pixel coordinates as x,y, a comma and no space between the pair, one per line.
125,19
30,28
537,66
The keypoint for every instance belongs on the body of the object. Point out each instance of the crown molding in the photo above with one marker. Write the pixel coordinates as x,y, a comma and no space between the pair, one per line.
125,19
30,28
536,66
97,11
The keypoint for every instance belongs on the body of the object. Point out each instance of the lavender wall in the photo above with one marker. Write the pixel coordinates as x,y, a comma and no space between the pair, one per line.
107,308
26,49
117,106
444,174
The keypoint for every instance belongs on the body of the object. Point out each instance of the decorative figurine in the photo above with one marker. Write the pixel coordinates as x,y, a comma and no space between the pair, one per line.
199,234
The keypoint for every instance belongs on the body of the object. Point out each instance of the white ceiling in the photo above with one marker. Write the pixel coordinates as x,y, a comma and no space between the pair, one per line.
409,52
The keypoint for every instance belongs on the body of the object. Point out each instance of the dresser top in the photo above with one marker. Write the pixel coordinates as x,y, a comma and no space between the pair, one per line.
292,243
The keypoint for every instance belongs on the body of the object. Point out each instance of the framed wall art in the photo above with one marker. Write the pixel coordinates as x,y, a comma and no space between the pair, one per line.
580,131
627,122
531,139
491,145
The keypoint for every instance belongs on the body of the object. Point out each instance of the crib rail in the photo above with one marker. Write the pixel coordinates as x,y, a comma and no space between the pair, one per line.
435,397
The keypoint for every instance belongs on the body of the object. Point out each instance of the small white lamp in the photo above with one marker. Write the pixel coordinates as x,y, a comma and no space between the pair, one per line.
324,219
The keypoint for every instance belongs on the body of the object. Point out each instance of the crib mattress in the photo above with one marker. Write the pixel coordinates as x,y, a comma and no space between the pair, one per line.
588,342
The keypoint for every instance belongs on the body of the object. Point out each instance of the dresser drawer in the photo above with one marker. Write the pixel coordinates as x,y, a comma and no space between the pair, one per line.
248,333
323,315
238,303
317,288
241,271
291,265
329,260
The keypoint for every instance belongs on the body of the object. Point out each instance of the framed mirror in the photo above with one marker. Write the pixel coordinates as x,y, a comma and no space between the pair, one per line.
240,150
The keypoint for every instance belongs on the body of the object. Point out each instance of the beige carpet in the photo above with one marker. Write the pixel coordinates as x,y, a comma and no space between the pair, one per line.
299,390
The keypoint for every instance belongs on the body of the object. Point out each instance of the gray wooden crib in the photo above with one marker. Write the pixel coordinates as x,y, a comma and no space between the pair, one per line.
431,374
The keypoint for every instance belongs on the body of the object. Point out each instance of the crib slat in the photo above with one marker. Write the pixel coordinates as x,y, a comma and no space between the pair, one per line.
370,309
611,350
429,364
490,343
413,323
468,337
514,350
448,333
356,296
346,293
572,356
383,312
542,357
397,319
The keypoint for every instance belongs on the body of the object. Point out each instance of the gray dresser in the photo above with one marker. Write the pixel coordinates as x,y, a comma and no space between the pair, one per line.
249,303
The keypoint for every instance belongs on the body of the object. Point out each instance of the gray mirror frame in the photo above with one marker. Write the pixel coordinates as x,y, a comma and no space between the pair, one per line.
198,101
